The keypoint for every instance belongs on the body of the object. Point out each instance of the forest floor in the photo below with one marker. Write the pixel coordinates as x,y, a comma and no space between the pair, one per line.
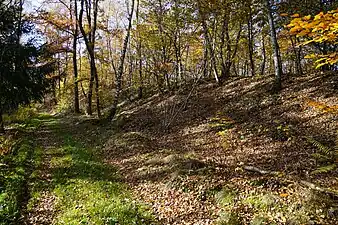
230,154
193,159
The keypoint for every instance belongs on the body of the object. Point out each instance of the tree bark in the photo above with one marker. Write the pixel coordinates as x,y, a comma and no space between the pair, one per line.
139,54
2,127
263,56
297,57
211,50
225,35
250,42
118,80
90,45
275,47
75,70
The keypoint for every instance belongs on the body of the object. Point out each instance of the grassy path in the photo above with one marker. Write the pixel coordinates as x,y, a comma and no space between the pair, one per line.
73,185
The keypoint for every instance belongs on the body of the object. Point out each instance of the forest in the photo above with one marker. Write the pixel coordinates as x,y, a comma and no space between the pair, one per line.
158,112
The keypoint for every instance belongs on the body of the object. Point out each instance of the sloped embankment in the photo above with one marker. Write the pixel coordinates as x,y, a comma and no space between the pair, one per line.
192,172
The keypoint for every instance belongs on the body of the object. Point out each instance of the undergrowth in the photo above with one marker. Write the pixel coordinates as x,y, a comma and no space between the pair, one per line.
258,207
325,156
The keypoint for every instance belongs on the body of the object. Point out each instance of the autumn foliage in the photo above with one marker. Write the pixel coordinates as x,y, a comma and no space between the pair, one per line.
321,29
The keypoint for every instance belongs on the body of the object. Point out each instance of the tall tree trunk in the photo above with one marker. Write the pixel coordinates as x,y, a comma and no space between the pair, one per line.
177,44
205,60
118,80
2,127
275,47
263,56
225,38
75,70
297,57
97,93
209,47
89,39
90,94
251,42
211,50
140,85
139,54
177,58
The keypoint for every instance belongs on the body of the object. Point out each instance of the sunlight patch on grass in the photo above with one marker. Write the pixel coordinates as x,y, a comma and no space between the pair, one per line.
64,161
89,192
98,202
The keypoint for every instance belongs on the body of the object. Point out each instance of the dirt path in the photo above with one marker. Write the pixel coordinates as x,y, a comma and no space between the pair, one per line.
42,209
73,185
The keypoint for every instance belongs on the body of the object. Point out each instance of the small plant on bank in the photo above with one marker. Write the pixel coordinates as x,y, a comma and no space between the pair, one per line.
326,157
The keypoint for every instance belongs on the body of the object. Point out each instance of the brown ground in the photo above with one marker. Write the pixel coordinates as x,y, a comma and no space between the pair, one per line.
180,170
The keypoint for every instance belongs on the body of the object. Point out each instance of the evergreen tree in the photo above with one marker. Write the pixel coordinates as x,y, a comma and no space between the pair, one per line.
23,68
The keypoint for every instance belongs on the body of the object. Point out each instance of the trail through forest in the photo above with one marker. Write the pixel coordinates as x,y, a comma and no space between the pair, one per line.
223,161
73,185
168,112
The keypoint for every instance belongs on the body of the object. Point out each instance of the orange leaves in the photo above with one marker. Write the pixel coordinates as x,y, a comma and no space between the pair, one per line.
322,28
322,106
284,195
319,26
307,18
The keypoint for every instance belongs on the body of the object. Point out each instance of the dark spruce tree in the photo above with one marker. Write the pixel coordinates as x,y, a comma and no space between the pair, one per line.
23,65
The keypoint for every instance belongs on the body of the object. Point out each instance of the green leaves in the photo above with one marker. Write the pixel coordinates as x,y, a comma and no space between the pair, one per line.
326,155
23,69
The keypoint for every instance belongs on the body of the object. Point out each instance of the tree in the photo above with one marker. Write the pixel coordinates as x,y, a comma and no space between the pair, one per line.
88,33
23,69
320,29
119,71
74,18
275,47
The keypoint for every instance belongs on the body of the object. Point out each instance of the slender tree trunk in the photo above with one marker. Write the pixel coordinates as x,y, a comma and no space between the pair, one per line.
225,35
211,50
90,93
205,60
263,56
118,80
209,47
275,47
89,38
250,43
2,127
140,87
97,93
177,58
75,70
177,44
298,65
299,55
139,54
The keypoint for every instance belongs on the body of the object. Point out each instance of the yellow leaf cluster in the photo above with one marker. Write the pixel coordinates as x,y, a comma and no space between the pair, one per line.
321,106
321,28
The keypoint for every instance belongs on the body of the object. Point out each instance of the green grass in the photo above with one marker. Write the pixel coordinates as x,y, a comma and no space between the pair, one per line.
87,190
16,171
18,166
